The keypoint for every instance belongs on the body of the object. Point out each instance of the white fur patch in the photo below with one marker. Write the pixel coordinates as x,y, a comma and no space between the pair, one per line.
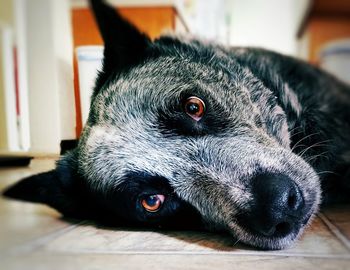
291,98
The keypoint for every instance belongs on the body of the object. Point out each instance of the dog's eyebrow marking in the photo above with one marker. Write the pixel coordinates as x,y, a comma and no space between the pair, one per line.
291,98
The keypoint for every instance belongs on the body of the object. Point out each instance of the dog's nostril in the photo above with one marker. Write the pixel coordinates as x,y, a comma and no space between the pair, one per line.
292,200
295,200
282,229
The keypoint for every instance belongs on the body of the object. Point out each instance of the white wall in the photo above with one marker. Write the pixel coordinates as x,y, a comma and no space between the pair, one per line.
269,24
49,66
6,23
63,42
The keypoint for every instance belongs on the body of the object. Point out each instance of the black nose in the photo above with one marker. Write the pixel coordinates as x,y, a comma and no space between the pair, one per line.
277,207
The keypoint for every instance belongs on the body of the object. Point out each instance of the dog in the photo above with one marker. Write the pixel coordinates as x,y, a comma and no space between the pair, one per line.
188,134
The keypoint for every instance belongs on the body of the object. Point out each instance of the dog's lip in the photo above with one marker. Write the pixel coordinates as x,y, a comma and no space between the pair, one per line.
267,243
297,228
291,237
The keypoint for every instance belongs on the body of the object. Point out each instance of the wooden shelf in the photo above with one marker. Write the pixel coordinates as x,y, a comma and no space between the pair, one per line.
323,22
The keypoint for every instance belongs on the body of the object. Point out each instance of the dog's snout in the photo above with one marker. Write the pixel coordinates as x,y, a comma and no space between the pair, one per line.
278,206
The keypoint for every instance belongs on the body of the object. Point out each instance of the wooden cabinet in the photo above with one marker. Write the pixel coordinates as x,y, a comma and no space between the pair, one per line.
326,20
151,20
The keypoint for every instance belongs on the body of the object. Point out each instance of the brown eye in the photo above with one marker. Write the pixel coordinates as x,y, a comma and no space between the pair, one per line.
195,108
153,203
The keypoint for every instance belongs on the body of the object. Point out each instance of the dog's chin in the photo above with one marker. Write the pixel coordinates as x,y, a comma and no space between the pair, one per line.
270,243
274,243
267,243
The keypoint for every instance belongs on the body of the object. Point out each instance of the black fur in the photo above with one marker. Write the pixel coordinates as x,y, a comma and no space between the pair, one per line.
266,115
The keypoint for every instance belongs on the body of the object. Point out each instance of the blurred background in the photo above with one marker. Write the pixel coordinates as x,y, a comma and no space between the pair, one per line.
50,51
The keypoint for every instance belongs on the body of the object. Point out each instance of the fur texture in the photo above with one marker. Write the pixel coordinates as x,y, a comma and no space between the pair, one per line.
267,117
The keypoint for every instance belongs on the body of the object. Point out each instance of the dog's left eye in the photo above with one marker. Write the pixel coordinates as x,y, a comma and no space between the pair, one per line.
194,107
153,203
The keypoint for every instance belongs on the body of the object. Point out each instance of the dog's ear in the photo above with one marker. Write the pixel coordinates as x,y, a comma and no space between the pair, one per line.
125,46
58,188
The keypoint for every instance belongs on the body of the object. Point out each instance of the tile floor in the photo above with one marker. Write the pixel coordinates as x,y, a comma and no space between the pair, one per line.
36,237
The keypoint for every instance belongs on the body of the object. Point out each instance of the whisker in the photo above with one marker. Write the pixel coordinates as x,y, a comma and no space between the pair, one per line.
320,144
295,128
300,145
316,156
329,172
296,133
238,239
304,138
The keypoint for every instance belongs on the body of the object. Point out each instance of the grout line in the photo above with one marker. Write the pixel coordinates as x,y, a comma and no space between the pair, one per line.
33,244
201,253
334,229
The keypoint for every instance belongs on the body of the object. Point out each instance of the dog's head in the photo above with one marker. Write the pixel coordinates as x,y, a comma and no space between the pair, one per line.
179,132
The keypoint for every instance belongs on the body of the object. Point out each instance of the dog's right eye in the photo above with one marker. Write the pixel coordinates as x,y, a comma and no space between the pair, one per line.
194,107
152,203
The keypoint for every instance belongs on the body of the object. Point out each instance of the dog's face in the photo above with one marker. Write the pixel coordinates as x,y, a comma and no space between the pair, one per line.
180,133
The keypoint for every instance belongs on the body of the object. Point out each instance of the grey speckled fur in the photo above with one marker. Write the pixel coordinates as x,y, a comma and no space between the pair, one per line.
269,113
210,172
